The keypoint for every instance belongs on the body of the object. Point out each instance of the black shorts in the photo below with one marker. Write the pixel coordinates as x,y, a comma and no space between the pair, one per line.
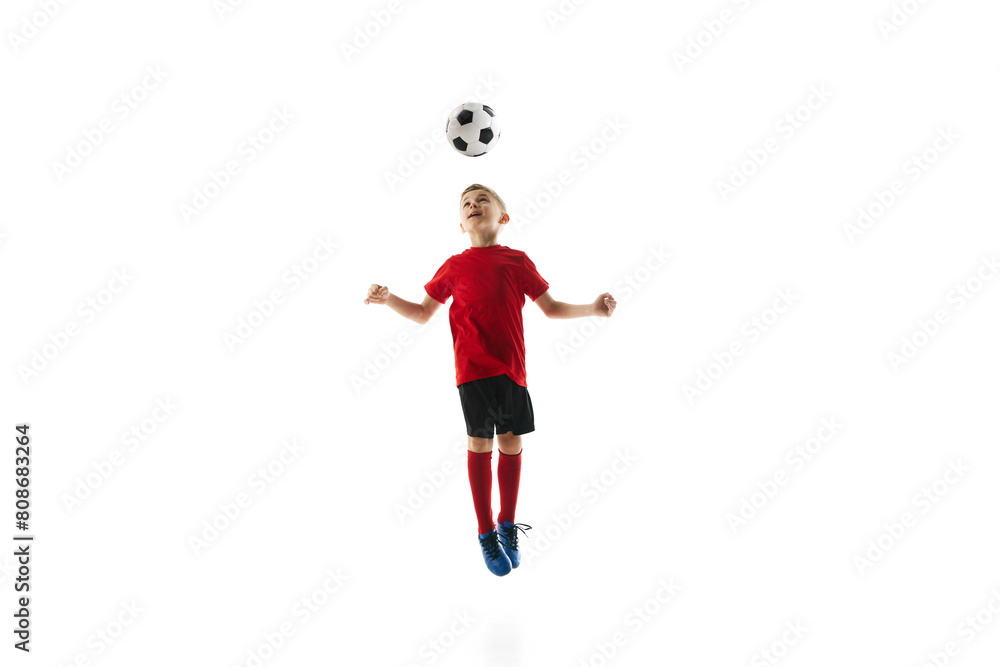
496,402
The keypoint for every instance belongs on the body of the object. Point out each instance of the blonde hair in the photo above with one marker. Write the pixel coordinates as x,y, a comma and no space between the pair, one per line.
494,195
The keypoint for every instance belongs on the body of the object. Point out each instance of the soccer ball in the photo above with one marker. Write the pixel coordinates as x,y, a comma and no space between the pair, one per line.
473,129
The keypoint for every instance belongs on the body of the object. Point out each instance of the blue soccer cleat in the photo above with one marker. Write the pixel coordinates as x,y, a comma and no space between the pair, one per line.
496,560
508,540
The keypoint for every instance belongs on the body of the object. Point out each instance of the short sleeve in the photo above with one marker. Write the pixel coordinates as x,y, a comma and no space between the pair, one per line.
439,287
532,283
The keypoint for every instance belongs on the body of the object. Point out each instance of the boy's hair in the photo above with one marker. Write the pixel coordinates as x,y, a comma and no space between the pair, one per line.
477,186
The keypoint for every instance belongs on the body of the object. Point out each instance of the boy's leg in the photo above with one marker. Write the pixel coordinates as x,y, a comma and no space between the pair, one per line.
480,444
481,481
510,444
477,400
508,475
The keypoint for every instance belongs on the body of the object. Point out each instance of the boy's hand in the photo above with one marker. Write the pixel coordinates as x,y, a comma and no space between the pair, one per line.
377,294
605,305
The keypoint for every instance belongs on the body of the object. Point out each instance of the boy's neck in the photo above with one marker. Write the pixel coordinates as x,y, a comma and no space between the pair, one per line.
484,242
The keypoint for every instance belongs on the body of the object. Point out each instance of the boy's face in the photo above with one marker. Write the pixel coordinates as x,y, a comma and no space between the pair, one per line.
479,213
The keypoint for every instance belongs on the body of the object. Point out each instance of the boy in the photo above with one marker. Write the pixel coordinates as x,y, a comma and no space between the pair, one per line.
488,282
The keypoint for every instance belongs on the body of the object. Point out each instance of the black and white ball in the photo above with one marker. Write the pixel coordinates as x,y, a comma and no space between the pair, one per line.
473,129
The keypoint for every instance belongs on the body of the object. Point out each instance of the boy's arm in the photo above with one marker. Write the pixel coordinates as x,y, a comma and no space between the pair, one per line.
429,307
418,312
603,307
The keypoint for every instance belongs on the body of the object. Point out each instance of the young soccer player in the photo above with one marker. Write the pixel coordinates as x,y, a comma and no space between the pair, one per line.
488,283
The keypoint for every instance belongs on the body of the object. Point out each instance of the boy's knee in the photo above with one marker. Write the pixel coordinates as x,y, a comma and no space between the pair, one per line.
479,445
509,443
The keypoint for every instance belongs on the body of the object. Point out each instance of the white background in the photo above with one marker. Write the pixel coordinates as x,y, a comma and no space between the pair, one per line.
599,392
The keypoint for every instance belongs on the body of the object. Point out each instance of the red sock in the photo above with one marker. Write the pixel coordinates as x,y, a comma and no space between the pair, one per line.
481,481
508,477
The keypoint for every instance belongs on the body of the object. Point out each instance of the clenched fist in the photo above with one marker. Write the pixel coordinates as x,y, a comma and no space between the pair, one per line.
604,306
377,294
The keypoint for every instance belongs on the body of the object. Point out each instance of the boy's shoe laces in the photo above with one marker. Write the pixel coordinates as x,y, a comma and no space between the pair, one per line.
510,534
490,545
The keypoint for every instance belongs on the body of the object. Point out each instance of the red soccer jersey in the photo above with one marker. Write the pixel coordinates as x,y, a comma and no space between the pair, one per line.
488,285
